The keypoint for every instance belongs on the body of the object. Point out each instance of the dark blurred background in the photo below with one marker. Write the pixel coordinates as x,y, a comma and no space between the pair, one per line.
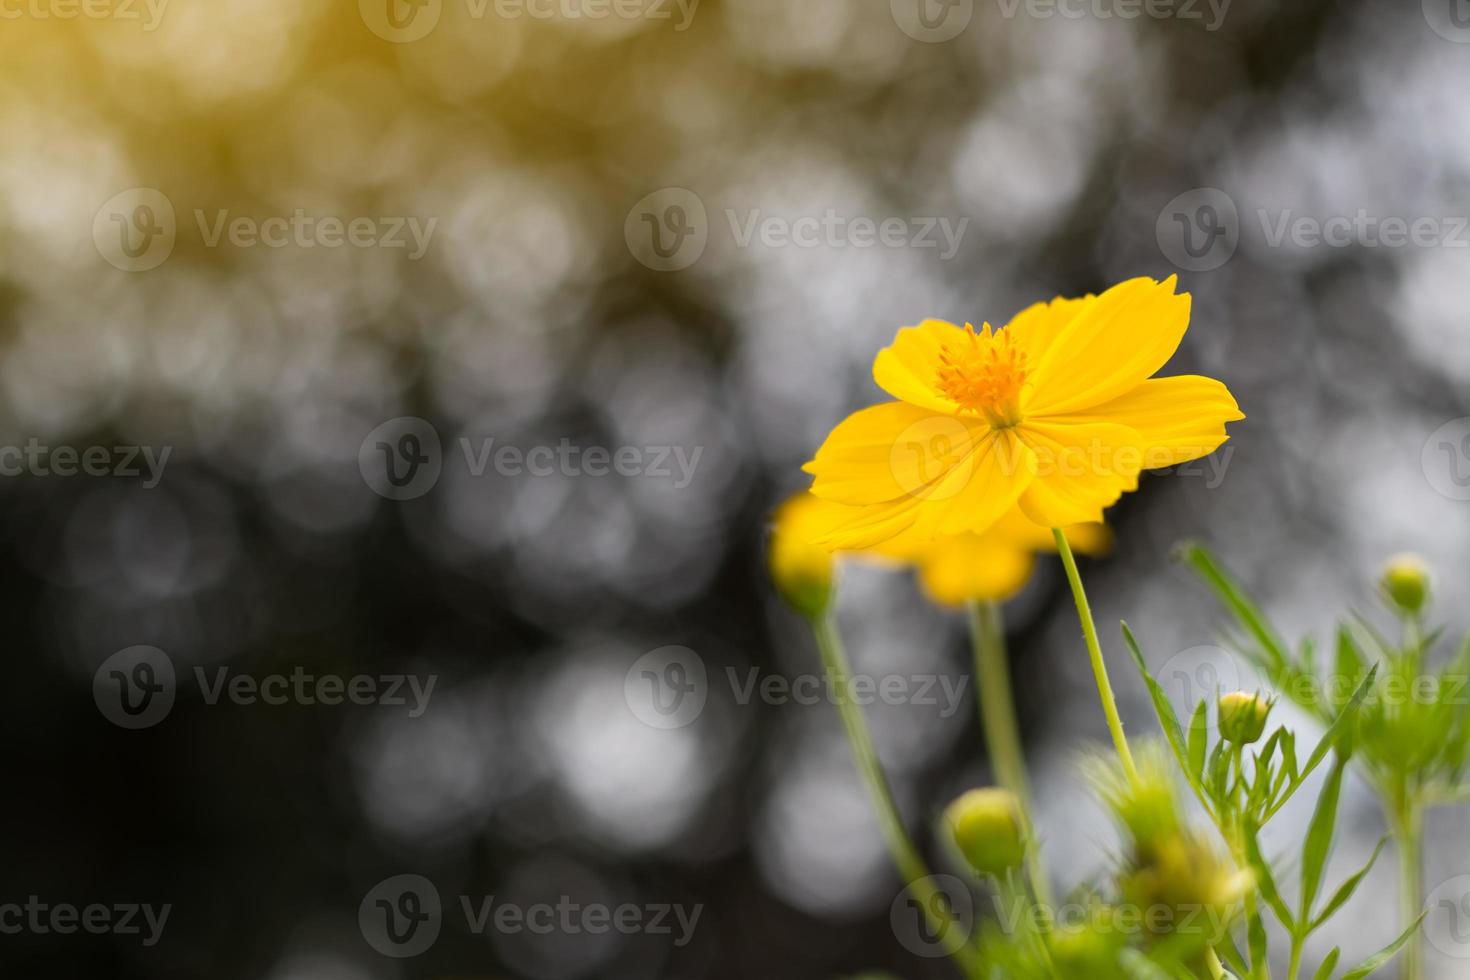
679,234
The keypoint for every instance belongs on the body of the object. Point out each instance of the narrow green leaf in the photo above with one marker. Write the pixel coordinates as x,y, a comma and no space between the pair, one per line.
1319,839
1231,955
1259,947
1384,955
1199,738
1324,972
1229,592
1329,739
1265,883
1345,890
1168,720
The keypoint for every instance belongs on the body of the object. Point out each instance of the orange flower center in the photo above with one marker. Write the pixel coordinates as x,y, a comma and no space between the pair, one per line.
984,373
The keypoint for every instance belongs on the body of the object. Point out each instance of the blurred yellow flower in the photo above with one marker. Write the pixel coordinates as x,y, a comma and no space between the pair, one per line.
1057,413
954,570
800,567
995,564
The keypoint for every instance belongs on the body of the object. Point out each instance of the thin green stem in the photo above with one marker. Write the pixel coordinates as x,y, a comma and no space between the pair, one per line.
1094,651
1294,967
1217,969
911,866
1002,734
1408,825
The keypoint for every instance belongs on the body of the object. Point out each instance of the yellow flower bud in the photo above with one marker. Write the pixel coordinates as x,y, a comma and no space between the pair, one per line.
801,569
1405,583
986,824
1243,717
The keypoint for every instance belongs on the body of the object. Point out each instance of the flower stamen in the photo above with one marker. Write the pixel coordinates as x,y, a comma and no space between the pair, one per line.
984,373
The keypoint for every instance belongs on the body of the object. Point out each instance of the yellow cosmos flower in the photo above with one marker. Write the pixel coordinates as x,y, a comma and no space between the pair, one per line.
998,562
1057,413
993,565
800,567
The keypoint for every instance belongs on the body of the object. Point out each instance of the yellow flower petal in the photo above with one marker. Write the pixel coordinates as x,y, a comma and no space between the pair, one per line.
801,568
975,566
1111,345
1038,326
1081,469
908,368
1177,419
976,489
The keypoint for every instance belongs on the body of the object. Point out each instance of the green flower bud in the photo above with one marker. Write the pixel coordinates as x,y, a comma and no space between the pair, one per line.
801,568
1405,583
1243,717
987,826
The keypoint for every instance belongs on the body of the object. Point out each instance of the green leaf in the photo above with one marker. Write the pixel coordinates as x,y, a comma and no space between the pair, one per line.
1324,972
1265,883
1168,720
1234,598
1346,889
1334,732
1231,955
1385,954
1256,937
1319,839
1199,738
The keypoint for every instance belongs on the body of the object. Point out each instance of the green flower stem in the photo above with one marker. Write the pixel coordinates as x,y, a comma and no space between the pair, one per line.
1002,734
911,866
1408,826
1094,651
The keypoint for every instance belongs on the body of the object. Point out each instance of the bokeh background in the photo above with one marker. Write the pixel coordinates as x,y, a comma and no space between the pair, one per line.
1068,148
